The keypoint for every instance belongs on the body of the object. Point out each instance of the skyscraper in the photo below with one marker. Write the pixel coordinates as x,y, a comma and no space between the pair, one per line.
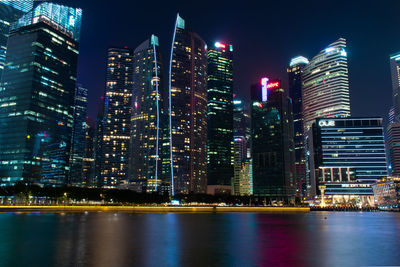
220,116
10,11
37,98
242,181
188,110
146,118
78,135
272,145
295,93
115,121
395,73
326,85
88,158
393,129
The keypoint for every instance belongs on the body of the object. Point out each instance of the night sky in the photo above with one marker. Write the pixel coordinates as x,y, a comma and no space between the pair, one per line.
265,36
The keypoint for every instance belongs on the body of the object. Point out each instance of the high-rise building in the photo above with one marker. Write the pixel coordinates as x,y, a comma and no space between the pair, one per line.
10,11
347,157
325,82
395,73
188,110
393,129
242,181
78,135
146,117
272,146
240,156
220,116
295,93
88,159
37,97
113,151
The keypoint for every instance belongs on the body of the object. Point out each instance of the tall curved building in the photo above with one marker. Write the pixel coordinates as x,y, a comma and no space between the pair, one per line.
326,85
146,116
188,111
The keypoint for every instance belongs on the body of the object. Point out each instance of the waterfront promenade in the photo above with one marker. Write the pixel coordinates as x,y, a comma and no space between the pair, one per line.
155,209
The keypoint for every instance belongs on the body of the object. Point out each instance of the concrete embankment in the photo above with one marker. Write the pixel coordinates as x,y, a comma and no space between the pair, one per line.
151,209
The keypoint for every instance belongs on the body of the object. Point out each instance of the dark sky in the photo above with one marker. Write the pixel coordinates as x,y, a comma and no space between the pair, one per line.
265,36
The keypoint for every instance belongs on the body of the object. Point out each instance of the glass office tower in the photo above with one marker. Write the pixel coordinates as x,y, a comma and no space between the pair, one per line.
295,71
220,117
78,135
147,115
37,99
272,146
348,156
395,73
242,181
10,11
325,80
115,120
188,111
393,129
88,158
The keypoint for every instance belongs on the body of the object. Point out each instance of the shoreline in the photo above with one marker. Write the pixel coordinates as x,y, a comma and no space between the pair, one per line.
154,209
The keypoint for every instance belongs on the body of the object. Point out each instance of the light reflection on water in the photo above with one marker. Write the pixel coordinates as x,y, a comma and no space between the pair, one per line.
199,239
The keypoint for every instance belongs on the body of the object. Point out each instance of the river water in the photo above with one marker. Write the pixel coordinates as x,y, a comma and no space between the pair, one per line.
200,239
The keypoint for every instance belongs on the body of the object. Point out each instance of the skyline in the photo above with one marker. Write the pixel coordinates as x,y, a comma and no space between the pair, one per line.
361,26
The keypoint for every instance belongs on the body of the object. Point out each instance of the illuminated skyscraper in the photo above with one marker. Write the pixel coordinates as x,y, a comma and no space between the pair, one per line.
188,110
242,181
10,11
272,142
220,116
393,129
295,93
116,120
146,119
88,158
326,85
78,135
395,73
37,98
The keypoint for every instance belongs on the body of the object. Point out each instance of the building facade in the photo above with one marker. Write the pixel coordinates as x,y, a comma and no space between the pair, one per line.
37,99
387,193
325,92
348,156
115,121
272,146
10,11
220,116
393,142
295,71
78,135
395,74
87,175
146,117
188,111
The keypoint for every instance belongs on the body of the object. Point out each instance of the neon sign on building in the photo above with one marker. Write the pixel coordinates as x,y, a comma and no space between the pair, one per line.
264,89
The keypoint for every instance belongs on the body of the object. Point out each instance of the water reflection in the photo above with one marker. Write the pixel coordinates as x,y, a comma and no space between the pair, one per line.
171,239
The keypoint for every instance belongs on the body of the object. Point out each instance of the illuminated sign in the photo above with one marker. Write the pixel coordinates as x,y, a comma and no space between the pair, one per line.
220,45
274,85
264,89
326,123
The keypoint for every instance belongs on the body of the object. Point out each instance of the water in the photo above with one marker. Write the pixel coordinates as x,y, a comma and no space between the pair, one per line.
200,239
